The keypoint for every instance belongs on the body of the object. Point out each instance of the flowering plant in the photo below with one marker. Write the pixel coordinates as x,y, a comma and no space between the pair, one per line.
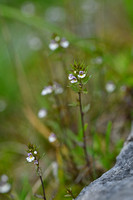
78,77
33,155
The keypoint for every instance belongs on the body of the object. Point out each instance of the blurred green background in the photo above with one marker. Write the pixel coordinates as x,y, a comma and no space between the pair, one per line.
100,33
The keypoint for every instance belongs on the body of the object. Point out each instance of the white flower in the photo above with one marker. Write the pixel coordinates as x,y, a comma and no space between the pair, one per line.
30,157
64,43
57,88
55,14
53,45
70,77
52,137
4,178
5,188
28,9
42,113
98,60
81,74
47,90
110,87
35,152
74,80
35,43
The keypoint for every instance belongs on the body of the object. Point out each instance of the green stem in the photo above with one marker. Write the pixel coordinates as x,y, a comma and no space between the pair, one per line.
40,176
44,196
83,131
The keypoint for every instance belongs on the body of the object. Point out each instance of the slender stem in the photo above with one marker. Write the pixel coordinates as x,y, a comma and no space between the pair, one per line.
71,193
40,176
83,131
44,196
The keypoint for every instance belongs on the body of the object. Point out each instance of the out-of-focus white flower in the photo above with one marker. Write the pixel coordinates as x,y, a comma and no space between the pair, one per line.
110,87
53,45
90,6
5,188
3,105
55,14
28,9
35,152
52,137
42,113
81,74
98,60
47,90
30,157
123,88
74,80
35,43
64,43
57,88
4,178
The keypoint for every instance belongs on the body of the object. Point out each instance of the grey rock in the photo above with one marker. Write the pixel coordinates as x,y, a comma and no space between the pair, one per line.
115,184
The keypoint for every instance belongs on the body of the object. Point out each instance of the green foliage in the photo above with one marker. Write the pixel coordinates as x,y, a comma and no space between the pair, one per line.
103,150
27,65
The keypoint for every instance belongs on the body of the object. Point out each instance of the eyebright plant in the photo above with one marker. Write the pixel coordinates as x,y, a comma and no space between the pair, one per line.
33,156
78,78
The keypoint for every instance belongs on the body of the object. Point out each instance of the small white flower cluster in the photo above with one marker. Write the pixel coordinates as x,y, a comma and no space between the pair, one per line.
58,42
47,90
73,79
31,158
56,88
5,187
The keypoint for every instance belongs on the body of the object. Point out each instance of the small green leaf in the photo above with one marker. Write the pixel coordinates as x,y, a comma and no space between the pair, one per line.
75,88
85,126
73,104
85,91
38,196
86,108
85,80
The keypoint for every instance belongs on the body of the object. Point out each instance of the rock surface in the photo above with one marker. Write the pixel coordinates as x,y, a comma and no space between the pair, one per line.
117,183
